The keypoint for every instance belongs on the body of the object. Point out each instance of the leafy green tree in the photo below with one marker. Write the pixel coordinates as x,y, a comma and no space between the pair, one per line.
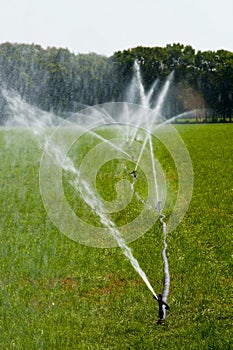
56,79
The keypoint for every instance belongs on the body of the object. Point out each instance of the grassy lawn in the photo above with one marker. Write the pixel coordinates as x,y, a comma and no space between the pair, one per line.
58,294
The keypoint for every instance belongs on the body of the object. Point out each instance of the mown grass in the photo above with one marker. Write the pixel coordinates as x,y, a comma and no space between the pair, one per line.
57,294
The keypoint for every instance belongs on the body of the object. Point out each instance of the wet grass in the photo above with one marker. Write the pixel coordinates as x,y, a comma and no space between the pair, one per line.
57,294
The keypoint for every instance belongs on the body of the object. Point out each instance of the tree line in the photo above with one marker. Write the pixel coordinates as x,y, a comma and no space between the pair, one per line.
54,79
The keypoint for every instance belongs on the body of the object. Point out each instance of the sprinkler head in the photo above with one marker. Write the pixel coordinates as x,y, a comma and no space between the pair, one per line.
160,300
133,173
161,310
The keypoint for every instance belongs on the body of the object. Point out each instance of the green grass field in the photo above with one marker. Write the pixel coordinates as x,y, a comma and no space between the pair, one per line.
58,294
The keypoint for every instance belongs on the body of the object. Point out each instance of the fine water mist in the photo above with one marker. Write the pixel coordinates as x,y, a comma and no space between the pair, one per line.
133,126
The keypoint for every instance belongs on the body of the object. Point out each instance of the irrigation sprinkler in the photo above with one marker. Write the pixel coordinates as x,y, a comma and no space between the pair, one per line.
162,306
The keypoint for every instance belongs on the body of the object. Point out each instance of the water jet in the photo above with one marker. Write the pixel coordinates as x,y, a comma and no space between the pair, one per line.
132,127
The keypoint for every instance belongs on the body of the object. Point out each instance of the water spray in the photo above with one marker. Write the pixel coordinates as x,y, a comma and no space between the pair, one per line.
145,101
89,195
162,297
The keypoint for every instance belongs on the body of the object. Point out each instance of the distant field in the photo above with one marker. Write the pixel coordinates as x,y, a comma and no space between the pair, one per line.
58,294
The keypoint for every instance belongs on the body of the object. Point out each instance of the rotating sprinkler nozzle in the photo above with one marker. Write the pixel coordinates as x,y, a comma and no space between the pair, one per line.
134,174
162,305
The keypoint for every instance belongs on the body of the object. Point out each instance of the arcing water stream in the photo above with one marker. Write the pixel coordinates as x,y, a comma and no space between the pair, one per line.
145,100
95,203
27,116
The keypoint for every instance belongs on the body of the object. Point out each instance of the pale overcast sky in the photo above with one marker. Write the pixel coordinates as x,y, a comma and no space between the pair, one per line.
105,26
